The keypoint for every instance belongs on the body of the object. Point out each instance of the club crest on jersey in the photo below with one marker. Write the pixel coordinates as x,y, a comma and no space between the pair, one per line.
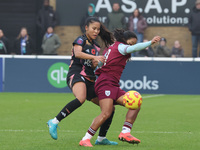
107,93
80,41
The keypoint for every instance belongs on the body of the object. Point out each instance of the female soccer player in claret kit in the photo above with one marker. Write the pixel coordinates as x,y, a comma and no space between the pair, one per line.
107,85
81,77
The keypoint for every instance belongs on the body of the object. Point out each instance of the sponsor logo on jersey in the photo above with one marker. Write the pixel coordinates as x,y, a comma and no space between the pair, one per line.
88,63
107,93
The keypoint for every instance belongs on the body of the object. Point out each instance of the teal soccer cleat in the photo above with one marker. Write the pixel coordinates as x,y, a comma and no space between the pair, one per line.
105,142
52,129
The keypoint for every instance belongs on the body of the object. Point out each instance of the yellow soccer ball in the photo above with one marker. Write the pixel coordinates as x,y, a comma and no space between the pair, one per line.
132,100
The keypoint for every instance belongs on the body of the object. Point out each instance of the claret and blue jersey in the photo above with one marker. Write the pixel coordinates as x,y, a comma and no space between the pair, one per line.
116,59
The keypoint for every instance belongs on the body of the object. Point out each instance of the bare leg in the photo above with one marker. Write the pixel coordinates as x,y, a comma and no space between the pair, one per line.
131,114
95,101
106,106
126,129
79,91
101,139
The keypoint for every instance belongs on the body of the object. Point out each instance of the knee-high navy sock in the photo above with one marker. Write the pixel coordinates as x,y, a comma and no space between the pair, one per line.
69,108
106,125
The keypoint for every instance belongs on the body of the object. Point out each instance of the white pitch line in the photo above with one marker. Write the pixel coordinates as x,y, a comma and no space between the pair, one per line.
11,130
144,97
163,132
150,96
71,131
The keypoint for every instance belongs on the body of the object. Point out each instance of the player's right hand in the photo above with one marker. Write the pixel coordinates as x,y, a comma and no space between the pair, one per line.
155,39
99,58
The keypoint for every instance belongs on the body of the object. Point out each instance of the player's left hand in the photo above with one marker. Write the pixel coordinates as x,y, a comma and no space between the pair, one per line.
99,60
155,39
95,62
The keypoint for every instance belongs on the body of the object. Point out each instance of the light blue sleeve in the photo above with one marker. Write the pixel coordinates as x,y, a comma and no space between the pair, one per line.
100,64
127,49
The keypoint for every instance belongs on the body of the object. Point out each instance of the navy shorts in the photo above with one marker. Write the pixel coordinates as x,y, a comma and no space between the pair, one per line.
76,77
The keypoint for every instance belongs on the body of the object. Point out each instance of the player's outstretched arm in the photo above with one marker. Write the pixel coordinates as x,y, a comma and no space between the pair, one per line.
155,39
127,49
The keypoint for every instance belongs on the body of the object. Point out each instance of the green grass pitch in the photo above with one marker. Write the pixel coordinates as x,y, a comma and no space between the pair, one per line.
165,122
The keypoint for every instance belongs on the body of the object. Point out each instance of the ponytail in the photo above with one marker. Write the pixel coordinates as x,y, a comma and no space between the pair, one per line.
119,35
122,36
106,36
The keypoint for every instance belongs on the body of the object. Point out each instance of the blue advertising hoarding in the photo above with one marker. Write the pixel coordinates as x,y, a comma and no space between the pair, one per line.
162,77
150,77
36,75
1,74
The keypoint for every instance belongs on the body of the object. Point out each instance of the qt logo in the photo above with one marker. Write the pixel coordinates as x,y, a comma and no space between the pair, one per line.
57,74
